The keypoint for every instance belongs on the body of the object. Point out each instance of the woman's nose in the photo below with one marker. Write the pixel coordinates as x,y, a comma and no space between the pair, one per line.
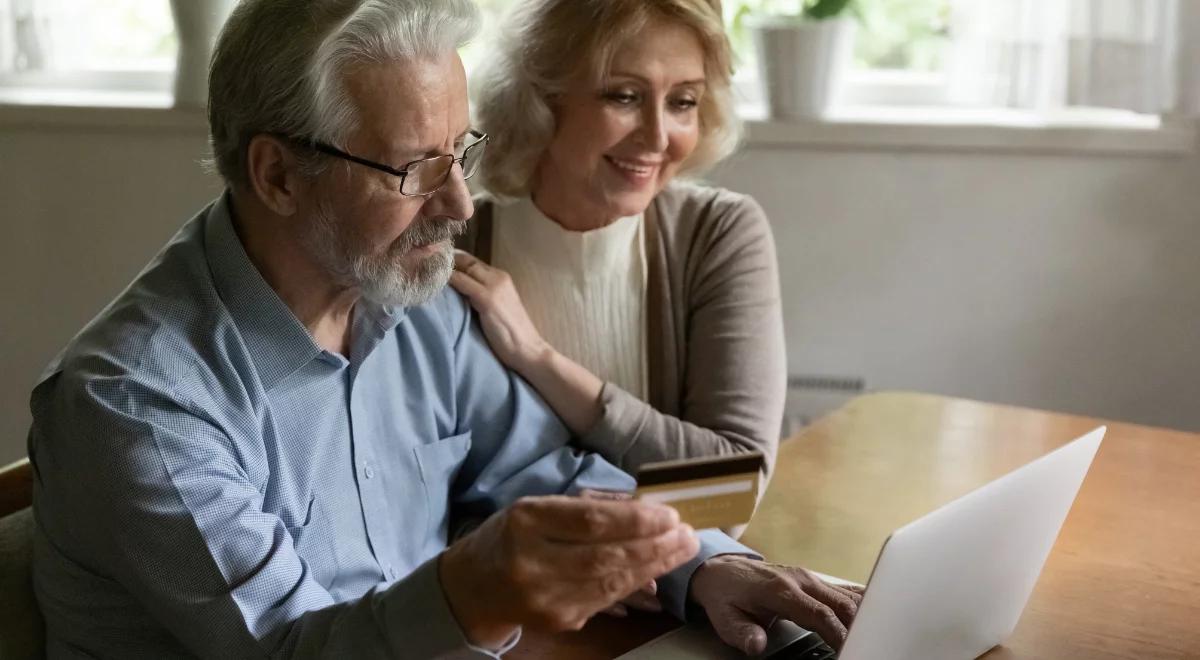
654,128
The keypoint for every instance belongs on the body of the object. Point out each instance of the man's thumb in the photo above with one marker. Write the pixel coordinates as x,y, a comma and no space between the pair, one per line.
739,630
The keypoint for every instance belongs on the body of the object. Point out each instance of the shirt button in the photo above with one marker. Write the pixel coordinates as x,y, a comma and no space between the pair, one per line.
368,471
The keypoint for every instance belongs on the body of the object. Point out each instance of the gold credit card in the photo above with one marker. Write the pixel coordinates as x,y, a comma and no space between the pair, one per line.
717,491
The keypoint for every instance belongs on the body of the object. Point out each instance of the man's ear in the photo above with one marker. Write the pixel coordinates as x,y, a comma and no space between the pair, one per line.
274,175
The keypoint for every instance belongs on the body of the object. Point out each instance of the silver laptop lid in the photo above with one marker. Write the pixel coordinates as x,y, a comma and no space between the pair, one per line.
952,584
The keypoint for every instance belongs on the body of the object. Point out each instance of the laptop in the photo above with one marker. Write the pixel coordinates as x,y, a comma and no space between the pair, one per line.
948,586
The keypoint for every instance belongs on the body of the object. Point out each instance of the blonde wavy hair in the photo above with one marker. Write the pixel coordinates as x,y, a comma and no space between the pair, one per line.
543,45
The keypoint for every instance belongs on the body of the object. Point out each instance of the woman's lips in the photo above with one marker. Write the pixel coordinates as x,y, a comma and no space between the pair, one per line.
635,171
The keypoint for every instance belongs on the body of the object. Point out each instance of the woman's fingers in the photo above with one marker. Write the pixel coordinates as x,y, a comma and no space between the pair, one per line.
463,259
472,289
477,270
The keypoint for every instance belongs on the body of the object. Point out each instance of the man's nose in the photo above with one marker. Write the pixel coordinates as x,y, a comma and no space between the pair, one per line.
453,199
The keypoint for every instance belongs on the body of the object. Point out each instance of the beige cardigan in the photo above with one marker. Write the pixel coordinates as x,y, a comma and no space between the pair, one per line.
716,364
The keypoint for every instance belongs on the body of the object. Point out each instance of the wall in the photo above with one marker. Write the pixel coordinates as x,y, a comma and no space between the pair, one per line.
1068,283
1059,282
82,210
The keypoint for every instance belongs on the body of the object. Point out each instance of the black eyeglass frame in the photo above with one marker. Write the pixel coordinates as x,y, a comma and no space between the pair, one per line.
481,140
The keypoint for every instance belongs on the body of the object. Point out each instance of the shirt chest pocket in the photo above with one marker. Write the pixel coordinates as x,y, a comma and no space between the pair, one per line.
439,463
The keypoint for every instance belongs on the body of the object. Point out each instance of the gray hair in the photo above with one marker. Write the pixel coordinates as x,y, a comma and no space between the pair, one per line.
279,66
544,44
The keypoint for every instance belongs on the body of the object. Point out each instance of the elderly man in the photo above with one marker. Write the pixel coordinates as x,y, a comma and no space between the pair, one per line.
265,444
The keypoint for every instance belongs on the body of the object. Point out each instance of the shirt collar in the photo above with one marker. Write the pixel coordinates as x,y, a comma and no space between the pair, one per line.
276,340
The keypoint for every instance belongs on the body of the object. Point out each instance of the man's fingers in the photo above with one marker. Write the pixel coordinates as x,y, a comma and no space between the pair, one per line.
840,602
739,630
808,612
593,494
597,559
603,590
853,593
578,520
640,600
616,609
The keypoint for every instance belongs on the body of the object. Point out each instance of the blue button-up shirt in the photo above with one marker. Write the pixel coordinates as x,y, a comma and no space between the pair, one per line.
211,482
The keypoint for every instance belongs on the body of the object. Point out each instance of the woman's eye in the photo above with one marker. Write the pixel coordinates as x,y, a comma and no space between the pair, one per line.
685,104
621,98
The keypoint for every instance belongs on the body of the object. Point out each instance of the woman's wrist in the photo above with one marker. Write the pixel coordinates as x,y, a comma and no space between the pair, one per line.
537,360
570,389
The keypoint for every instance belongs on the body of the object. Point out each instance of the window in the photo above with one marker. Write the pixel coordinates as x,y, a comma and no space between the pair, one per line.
1042,57
1028,55
900,49
900,53
59,47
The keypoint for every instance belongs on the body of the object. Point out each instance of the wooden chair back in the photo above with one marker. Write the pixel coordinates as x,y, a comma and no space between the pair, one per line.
16,487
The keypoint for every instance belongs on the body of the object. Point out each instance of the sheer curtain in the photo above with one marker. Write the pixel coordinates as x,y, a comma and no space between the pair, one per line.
1048,54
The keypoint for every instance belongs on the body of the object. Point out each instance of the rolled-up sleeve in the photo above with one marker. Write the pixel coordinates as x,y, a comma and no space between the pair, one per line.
158,501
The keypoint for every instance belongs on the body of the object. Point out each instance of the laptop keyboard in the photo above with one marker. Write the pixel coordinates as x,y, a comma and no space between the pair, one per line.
805,649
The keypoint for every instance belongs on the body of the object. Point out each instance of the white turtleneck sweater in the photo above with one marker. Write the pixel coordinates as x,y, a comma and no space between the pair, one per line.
584,291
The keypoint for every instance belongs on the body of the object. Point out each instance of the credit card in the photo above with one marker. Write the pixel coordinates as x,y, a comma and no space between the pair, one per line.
716,491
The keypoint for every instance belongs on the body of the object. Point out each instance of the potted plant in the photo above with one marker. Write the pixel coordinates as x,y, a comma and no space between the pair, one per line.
803,48
197,24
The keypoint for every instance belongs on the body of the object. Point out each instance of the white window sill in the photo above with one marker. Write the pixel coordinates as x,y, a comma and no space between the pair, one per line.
975,130
56,109
851,128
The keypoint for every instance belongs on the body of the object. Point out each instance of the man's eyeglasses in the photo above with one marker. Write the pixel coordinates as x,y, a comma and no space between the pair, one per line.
420,177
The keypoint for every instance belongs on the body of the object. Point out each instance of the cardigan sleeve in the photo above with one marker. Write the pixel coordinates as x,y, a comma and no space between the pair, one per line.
736,369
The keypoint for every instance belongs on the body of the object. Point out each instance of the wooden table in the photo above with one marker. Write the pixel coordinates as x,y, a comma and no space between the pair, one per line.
1123,581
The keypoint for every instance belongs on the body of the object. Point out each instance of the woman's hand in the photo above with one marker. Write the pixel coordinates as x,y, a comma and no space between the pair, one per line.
506,324
571,390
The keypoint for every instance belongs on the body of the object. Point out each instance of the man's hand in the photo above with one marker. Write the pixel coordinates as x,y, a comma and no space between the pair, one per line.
553,562
744,596
644,599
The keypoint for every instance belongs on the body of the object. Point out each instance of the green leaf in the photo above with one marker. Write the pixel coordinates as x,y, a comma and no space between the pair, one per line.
823,9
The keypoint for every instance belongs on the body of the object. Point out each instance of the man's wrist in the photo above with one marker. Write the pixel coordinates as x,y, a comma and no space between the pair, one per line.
707,565
465,595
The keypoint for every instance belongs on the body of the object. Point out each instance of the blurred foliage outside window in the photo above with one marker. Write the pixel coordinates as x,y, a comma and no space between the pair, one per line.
138,34
892,34
90,35
902,34
124,33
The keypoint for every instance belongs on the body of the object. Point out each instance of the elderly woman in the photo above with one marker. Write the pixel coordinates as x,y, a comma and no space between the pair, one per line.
644,308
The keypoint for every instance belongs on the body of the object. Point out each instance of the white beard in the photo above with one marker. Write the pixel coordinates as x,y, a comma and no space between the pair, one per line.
383,279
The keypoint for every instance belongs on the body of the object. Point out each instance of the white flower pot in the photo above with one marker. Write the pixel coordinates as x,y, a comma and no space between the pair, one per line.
197,24
801,63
